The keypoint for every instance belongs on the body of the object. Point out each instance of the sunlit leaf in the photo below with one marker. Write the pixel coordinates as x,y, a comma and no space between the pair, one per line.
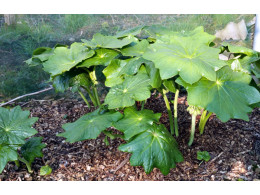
89,126
152,148
135,122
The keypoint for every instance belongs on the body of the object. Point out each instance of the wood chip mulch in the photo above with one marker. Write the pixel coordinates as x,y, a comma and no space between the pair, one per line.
234,148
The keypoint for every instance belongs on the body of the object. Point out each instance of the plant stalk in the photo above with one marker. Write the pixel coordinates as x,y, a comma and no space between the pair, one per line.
176,112
84,98
28,165
203,120
93,99
96,95
143,103
193,125
169,111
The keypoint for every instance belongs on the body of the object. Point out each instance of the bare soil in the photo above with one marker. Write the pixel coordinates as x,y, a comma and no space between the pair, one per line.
234,148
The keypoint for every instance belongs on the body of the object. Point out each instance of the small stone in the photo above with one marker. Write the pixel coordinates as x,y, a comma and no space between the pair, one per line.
88,168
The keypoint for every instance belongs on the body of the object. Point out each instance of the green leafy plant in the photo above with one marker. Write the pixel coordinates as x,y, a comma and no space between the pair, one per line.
161,60
45,170
15,128
203,155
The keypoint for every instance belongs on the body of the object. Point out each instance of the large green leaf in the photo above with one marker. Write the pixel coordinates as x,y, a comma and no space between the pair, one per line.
40,55
134,88
15,126
229,96
117,69
102,57
154,147
240,49
32,149
113,72
133,31
135,122
64,59
136,48
7,153
89,126
188,56
103,41
133,65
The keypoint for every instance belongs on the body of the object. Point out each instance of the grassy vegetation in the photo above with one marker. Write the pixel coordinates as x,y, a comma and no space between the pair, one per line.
31,31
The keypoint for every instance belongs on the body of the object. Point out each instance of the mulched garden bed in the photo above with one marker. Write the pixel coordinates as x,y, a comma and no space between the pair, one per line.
234,148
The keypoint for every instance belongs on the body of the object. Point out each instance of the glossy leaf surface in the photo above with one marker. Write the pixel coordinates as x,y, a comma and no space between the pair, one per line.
152,148
89,126
15,126
228,97
135,122
134,88
63,59
32,149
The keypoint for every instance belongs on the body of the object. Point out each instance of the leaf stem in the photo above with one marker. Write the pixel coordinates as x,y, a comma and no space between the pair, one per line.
143,103
168,110
112,136
193,125
28,165
176,112
95,82
96,95
203,120
84,98
90,95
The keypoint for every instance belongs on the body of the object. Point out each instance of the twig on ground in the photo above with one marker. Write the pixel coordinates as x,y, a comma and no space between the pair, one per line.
243,152
29,94
122,164
216,157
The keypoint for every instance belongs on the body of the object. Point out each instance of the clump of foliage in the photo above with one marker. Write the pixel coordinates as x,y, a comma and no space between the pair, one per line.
203,155
45,170
15,128
160,59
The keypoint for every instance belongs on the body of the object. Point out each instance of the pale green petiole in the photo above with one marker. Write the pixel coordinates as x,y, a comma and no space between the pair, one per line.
84,98
203,120
169,111
176,112
28,165
192,131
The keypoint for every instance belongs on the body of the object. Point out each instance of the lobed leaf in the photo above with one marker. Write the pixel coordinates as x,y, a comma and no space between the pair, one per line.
188,56
63,59
152,148
32,149
136,48
7,153
102,57
89,126
15,126
134,88
135,122
229,96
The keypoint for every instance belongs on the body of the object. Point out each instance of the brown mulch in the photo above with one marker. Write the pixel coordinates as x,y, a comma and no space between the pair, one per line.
234,148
